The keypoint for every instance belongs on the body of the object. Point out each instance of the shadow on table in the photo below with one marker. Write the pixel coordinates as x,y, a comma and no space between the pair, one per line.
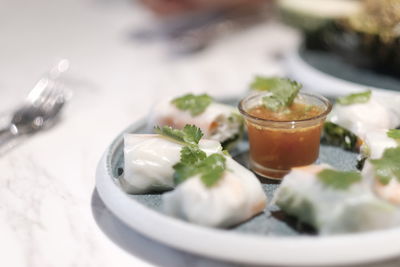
158,254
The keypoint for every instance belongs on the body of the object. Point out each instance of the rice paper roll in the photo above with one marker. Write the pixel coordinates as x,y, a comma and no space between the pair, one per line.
217,121
376,142
358,114
383,175
340,207
236,197
148,161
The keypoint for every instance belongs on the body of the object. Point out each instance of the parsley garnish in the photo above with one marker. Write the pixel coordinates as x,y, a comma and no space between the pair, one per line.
388,166
355,98
210,168
340,180
196,104
393,133
190,134
283,91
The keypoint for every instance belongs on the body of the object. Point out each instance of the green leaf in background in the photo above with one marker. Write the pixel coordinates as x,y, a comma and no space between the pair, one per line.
190,134
340,180
355,98
388,166
393,133
283,91
196,104
266,83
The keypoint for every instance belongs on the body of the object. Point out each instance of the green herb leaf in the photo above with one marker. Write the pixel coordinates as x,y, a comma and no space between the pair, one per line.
355,98
388,166
210,168
393,133
266,83
190,134
196,104
191,155
283,91
340,180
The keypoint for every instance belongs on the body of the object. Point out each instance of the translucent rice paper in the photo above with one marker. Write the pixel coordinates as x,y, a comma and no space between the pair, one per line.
237,197
216,122
148,162
389,192
375,143
332,211
380,112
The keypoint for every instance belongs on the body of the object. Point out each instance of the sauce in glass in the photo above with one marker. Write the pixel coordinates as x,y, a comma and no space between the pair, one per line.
282,140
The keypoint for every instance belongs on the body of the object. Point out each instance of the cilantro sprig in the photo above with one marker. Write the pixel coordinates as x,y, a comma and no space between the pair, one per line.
355,98
388,166
193,160
282,91
339,180
209,168
196,104
190,134
393,133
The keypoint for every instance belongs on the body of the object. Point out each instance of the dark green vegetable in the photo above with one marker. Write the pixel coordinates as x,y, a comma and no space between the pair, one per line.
335,135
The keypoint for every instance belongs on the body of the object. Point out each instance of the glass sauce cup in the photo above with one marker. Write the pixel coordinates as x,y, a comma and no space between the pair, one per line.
277,146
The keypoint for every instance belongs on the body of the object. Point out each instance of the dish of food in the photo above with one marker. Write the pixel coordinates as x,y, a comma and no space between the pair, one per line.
178,217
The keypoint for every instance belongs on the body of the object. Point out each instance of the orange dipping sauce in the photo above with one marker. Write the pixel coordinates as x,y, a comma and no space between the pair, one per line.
282,140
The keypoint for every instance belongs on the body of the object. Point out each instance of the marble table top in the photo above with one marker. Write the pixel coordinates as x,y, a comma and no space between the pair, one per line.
50,212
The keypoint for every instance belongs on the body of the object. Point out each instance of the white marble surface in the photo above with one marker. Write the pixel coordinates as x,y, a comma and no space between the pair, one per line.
50,214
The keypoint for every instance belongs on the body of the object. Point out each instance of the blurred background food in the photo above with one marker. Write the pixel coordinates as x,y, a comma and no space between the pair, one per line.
365,33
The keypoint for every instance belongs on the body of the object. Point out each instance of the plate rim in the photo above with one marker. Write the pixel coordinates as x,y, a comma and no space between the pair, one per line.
248,248
300,70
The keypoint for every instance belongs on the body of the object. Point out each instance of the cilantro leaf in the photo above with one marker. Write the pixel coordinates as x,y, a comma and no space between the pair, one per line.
355,98
196,104
209,168
190,134
266,83
182,172
282,91
393,133
192,155
340,180
212,168
388,166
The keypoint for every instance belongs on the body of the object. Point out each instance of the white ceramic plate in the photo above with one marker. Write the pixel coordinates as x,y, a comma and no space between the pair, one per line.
256,244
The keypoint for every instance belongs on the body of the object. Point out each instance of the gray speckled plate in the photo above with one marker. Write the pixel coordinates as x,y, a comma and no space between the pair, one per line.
269,238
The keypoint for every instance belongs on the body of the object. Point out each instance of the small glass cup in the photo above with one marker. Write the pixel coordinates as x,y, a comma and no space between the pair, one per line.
277,146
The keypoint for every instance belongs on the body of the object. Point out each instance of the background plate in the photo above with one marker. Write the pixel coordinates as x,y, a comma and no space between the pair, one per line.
326,73
269,238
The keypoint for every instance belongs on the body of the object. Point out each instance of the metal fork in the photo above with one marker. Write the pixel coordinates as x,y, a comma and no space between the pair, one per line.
41,107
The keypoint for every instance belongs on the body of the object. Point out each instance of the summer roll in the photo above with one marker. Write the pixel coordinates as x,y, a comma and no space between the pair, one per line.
217,121
356,115
236,197
149,161
334,201
383,175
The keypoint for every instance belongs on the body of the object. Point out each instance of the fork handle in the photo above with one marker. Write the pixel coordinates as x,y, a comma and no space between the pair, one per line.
5,136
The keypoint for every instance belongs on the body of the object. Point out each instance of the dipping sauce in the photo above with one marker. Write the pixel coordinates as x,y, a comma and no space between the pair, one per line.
280,140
